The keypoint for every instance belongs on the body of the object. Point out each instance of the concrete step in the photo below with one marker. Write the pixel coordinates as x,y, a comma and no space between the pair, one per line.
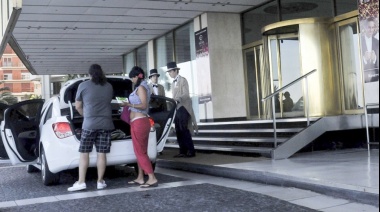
226,148
260,124
233,139
285,130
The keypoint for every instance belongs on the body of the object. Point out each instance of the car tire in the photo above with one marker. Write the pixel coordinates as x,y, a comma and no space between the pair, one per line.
48,178
31,169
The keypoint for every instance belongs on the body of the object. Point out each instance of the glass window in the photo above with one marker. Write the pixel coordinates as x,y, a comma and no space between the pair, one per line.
253,62
256,19
142,57
164,53
25,76
49,113
7,62
344,6
185,58
129,62
8,77
286,67
185,44
164,50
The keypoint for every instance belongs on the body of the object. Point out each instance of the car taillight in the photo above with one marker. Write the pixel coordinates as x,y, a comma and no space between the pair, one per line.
62,130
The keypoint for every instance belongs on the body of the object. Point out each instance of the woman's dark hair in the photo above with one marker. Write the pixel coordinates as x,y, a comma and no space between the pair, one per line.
97,74
137,72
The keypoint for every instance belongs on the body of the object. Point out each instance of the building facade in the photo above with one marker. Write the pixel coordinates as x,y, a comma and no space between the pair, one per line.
15,76
251,55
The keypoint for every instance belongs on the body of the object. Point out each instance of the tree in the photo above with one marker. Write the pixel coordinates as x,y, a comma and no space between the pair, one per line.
73,76
6,97
32,96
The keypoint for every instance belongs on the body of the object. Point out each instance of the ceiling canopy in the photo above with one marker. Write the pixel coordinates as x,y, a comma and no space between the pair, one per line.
67,36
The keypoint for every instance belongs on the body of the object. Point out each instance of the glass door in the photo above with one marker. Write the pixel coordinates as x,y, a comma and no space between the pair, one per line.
253,60
285,63
352,81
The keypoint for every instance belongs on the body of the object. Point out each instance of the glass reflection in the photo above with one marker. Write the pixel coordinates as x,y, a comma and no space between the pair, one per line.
352,80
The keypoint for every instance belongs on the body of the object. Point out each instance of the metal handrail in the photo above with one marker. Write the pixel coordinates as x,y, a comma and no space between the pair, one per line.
288,85
306,102
366,122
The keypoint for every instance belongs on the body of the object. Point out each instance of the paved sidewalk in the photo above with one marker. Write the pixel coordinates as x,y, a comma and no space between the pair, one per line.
349,174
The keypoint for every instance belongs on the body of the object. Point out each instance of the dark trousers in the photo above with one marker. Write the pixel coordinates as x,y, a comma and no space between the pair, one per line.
185,141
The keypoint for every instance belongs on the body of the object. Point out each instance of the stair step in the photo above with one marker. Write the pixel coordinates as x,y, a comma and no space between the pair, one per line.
293,120
232,139
287,130
224,148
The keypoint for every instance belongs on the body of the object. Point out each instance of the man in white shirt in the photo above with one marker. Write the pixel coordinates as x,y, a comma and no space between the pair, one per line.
156,88
185,122
156,105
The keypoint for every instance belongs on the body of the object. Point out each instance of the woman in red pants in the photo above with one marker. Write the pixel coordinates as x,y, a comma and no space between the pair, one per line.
140,127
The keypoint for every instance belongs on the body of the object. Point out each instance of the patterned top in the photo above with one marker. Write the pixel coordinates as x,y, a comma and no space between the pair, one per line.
135,99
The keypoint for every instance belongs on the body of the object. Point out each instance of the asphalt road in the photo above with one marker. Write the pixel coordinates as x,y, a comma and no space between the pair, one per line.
22,191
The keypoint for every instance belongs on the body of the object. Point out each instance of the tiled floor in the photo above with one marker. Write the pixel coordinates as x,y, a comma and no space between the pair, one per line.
296,196
351,169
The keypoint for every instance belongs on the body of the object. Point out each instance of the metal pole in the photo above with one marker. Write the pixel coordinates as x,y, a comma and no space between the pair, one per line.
205,112
307,102
367,128
274,121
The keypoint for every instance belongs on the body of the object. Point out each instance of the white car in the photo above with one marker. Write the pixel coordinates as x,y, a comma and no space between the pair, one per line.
47,135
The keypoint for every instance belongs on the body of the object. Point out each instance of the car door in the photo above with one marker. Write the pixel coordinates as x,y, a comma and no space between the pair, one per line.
3,153
163,111
20,131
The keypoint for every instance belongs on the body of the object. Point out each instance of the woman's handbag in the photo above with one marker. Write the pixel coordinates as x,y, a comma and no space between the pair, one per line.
125,115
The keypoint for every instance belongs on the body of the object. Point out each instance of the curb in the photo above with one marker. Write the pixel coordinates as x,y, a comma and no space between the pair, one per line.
272,179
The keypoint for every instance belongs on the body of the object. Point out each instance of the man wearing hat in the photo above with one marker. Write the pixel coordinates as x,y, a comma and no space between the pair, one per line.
185,119
156,88
156,105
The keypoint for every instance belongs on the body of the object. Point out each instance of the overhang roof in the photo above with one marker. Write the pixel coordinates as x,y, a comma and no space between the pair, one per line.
66,36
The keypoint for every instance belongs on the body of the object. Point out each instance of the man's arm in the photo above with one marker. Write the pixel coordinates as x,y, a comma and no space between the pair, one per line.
79,107
185,93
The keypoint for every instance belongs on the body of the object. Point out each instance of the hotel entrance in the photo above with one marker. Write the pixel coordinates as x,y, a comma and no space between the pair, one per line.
285,67
253,57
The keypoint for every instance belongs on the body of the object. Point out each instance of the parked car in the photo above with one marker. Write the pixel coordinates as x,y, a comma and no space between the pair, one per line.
3,153
47,135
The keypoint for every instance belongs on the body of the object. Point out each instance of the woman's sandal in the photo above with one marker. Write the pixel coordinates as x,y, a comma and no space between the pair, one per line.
133,182
146,185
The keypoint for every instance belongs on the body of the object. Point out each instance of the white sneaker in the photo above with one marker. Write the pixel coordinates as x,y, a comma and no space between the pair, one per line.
77,187
101,185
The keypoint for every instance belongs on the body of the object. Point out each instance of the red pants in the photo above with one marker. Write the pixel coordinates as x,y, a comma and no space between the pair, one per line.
140,130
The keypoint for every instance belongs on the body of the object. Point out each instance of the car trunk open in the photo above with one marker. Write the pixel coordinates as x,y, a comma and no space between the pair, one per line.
161,110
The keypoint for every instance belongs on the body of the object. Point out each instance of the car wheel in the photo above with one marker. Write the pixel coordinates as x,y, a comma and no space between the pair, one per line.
48,178
31,169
